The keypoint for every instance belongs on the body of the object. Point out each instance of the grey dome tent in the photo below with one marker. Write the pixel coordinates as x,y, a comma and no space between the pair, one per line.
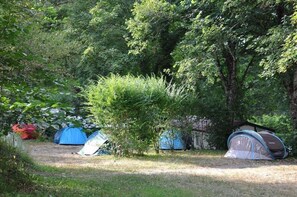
248,144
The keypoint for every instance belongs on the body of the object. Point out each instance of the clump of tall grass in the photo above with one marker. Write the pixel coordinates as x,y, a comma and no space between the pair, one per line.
133,108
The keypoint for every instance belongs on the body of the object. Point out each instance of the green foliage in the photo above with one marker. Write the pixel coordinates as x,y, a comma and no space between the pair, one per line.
277,45
99,27
15,170
279,54
273,62
132,108
15,22
289,55
214,47
261,102
32,79
149,19
153,34
280,122
14,18
219,46
47,107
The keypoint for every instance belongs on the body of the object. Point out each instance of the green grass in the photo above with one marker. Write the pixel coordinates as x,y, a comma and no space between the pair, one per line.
70,182
90,182
120,185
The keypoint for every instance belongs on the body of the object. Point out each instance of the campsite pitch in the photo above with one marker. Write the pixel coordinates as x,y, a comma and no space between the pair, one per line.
180,173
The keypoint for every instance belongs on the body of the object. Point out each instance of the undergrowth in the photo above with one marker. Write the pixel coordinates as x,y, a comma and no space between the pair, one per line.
15,167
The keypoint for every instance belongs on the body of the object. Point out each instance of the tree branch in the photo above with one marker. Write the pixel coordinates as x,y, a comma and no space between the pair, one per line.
247,70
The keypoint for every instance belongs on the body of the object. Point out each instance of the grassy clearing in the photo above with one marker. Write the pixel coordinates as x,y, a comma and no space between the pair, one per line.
197,173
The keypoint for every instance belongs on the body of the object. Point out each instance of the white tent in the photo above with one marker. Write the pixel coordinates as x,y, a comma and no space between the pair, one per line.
94,142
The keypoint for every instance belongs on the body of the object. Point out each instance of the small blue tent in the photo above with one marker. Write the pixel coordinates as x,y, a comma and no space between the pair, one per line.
71,136
171,140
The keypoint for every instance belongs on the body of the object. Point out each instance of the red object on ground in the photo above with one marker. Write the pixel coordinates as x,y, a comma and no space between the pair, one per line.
26,131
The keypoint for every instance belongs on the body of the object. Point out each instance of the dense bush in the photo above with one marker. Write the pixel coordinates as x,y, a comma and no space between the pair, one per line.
14,170
133,108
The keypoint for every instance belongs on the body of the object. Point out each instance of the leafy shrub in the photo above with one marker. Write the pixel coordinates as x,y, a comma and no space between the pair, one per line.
49,109
132,108
14,170
280,122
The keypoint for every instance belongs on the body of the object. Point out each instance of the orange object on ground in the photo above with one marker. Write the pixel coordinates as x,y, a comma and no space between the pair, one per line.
18,128
26,131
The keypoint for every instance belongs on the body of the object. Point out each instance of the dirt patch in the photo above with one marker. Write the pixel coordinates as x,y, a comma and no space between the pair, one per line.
50,153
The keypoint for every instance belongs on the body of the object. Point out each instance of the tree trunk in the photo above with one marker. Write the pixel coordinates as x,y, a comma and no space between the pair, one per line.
230,81
290,82
231,99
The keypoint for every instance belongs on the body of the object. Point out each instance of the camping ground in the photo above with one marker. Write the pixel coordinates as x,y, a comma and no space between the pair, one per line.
183,173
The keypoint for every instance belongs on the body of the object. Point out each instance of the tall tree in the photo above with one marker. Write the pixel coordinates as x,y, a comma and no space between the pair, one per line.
220,46
278,47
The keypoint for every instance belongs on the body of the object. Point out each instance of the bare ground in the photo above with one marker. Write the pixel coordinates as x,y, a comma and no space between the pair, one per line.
279,173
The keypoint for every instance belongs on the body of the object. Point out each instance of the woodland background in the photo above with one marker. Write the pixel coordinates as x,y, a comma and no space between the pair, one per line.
238,58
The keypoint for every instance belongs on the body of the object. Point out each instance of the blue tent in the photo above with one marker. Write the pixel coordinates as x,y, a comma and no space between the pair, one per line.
171,140
71,136
248,144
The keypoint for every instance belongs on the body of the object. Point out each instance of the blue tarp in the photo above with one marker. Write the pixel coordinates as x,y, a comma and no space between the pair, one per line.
171,140
71,136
